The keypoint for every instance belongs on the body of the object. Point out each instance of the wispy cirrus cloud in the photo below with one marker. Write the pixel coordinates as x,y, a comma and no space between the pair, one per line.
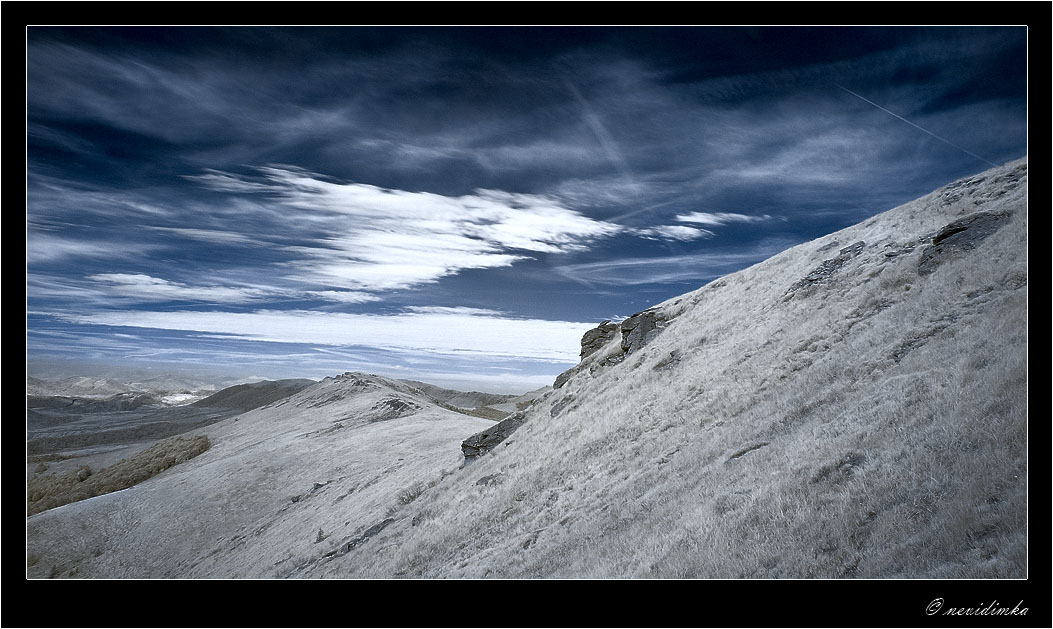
720,218
695,267
147,288
205,235
673,232
343,296
46,248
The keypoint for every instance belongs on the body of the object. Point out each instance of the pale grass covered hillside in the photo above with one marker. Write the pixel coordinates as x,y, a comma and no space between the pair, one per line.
311,473
854,407
872,424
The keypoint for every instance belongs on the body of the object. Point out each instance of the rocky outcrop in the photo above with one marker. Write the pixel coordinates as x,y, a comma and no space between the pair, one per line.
828,267
640,329
636,331
392,408
958,237
597,337
482,442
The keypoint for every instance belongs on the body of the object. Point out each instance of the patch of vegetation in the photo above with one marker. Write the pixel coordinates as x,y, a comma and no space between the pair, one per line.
487,412
484,412
409,494
53,490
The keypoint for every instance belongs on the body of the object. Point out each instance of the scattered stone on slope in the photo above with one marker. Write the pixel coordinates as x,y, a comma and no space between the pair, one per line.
482,442
996,186
919,338
558,407
958,237
370,532
747,450
828,267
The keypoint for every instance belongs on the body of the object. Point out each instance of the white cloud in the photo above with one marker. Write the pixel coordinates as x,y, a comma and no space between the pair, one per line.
436,331
720,218
344,296
485,312
217,180
206,235
147,288
382,239
673,232
106,290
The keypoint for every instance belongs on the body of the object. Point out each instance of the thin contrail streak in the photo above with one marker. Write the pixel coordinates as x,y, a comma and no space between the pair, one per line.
916,126
606,140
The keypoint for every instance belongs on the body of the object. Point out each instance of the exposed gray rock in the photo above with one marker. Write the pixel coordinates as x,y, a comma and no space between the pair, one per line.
828,267
958,237
747,450
636,331
370,532
640,329
597,337
609,360
562,378
482,442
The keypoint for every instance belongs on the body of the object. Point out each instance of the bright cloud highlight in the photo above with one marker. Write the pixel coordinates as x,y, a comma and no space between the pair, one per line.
383,239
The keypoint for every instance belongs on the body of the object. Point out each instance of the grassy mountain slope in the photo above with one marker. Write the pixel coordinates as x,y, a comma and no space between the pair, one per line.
868,422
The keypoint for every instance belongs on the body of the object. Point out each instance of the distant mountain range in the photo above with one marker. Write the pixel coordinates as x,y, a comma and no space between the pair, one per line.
854,407
168,389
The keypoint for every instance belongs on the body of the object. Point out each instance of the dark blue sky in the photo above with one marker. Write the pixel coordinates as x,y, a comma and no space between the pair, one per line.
467,201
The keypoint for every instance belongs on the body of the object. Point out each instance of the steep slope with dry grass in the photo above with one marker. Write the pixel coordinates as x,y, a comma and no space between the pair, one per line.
855,406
